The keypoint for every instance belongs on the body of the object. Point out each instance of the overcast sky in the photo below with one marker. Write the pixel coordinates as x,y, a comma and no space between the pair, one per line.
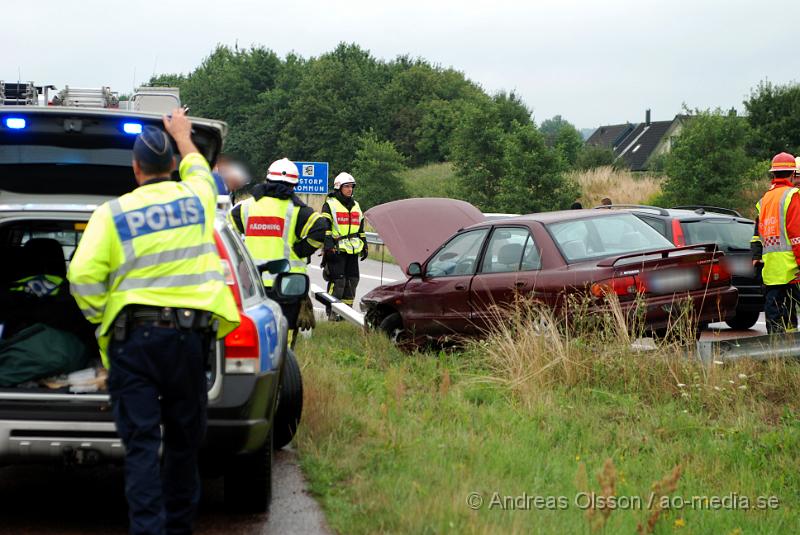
593,62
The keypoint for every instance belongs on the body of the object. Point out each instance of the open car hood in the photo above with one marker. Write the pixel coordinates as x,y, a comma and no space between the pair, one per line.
60,150
413,228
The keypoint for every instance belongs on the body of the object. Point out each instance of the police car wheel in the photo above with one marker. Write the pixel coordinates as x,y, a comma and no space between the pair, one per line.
290,402
248,480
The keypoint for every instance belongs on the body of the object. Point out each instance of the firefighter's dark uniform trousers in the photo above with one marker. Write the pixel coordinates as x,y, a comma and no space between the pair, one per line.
344,275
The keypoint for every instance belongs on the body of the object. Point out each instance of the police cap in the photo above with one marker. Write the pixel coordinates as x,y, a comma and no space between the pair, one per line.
153,148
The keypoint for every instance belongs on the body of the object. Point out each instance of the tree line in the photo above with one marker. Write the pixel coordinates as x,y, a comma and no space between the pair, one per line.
377,118
722,158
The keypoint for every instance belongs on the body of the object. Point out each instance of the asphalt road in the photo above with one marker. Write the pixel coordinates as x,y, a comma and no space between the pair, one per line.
373,274
45,500
720,331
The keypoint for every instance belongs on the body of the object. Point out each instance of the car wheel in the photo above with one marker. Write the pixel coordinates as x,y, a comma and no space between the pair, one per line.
290,402
248,480
744,319
392,325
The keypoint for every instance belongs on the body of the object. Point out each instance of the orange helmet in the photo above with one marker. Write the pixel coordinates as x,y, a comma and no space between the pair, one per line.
783,162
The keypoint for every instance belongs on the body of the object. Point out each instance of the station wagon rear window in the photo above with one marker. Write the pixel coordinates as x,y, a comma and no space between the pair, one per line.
728,234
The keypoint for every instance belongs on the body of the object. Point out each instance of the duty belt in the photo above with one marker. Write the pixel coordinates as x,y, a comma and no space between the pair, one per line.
165,317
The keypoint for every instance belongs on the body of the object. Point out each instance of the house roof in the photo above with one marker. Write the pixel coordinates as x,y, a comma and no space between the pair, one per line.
610,135
634,143
639,145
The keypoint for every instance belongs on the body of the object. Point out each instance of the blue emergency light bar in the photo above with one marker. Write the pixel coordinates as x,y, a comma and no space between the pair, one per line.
14,123
132,128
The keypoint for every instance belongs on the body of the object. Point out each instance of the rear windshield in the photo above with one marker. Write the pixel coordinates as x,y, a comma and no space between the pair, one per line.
598,237
728,234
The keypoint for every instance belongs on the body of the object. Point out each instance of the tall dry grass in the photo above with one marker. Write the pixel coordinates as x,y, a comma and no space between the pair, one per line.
620,185
535,354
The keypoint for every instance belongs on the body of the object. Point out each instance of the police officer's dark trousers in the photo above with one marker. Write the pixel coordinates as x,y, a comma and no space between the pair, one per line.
780,307
150,362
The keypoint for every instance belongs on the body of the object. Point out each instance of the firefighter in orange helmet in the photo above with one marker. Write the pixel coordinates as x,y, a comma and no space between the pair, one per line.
776,244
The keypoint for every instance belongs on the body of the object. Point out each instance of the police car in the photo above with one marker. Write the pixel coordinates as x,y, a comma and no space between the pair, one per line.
57,164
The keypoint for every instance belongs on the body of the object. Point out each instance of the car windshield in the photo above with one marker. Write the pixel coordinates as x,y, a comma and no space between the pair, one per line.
458,256
728,234
598,237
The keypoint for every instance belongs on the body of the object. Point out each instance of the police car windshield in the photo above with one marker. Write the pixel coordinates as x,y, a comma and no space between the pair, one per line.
728,234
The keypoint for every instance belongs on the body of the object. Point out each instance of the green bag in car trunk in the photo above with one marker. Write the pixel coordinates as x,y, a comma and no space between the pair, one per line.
40,351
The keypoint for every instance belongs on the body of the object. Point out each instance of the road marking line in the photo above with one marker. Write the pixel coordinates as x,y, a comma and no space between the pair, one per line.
373,277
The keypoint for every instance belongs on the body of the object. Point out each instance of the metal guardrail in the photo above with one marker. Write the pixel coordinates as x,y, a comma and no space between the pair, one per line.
765,347
345,311
373,238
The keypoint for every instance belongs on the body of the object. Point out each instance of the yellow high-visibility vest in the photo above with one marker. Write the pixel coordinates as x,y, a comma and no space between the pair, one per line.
39,285
344,226
780,264
154,246
270,232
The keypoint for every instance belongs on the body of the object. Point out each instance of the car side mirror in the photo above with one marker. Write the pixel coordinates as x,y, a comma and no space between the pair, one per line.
290,287
414,269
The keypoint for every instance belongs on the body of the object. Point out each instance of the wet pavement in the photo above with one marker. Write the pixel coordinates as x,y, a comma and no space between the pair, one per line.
45,500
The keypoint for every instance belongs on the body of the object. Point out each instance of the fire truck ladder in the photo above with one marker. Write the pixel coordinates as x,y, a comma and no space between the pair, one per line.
84,97
18,94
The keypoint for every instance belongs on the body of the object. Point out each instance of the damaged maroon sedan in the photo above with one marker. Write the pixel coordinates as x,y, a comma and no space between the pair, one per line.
460,266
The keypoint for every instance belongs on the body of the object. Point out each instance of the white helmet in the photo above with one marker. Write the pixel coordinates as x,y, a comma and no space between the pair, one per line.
342,179
283,170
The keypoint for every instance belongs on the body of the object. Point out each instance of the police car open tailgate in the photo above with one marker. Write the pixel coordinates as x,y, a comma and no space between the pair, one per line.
413,228
45,150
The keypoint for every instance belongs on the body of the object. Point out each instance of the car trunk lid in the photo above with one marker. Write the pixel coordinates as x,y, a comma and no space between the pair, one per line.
665,272
81,151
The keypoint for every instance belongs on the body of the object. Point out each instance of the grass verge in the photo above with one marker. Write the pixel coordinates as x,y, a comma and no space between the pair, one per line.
382,256
431,180
535,426
621,186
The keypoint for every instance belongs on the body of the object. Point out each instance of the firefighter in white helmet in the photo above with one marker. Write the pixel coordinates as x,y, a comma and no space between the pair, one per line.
276,224
345,240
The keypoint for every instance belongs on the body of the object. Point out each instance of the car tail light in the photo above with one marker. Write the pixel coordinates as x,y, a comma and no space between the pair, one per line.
227,270
242,347
622,286
677,234
714,274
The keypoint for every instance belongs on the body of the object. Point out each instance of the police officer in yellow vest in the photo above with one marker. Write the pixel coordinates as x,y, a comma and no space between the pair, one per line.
147,271
345,240
776,244
277,224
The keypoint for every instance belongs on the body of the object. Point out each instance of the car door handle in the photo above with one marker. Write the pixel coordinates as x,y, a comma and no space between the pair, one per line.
460,286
